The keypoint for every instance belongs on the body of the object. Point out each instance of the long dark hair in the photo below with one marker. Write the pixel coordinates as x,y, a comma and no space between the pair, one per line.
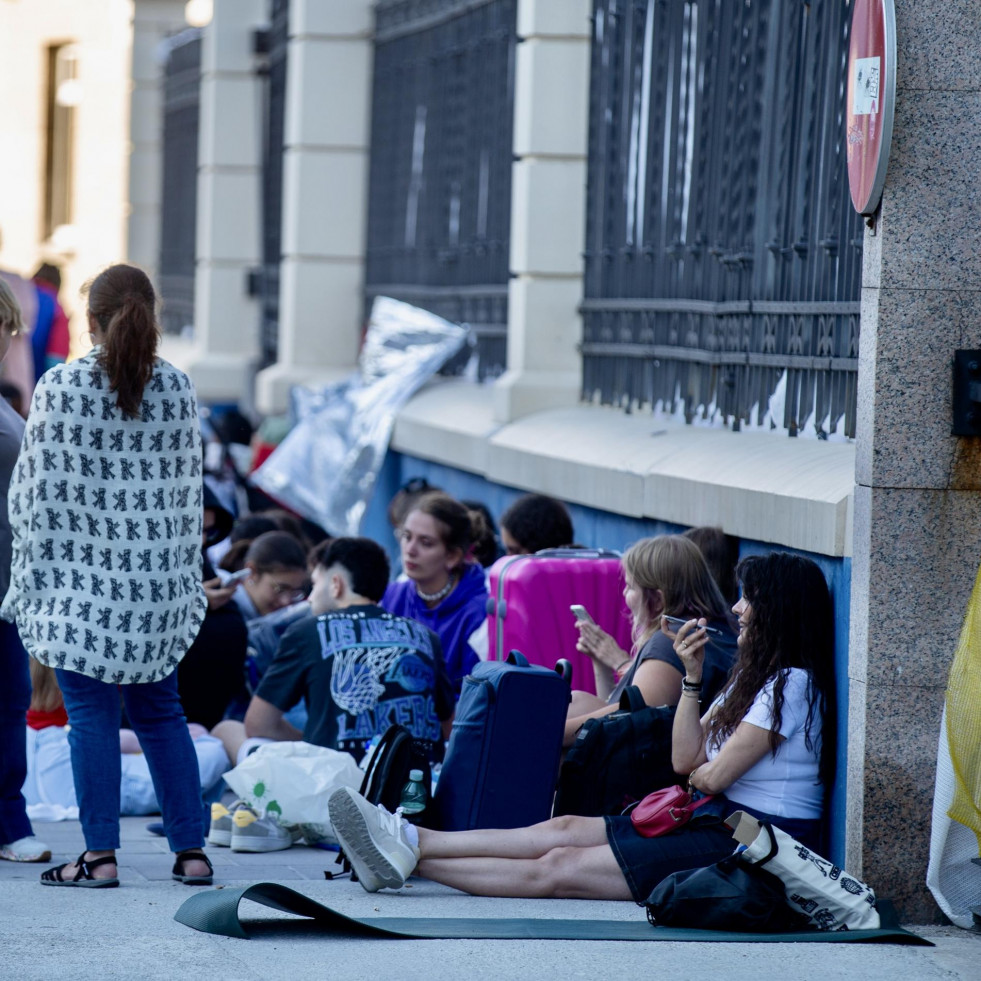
272,551
791,626
122,301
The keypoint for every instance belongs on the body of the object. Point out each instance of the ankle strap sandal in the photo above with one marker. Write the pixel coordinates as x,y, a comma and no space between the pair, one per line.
194,854
83,877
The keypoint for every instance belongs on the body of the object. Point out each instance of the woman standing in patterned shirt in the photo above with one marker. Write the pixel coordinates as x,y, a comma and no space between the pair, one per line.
106,510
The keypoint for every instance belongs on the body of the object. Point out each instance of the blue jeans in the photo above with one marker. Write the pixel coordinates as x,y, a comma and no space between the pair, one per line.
155,713
15,697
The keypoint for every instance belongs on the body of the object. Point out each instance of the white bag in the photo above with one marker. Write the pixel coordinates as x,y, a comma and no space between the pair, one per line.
829,897
294,781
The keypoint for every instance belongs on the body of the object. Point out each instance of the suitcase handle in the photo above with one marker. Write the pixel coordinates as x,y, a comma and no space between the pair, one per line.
579,553
516,657
563,668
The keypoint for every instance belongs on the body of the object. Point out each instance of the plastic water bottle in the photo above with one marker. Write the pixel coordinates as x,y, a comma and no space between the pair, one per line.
414,797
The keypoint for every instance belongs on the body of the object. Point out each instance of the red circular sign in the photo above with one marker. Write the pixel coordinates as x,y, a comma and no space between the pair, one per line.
870,100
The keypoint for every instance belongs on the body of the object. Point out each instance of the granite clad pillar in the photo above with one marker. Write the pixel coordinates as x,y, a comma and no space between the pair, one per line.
917,532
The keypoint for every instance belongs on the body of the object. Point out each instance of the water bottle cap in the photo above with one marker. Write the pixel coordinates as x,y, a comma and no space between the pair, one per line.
415,776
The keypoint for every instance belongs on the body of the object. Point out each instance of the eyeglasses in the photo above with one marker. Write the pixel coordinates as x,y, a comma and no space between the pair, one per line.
285,589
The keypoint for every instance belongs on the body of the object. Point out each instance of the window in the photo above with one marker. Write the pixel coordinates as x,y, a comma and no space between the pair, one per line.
63,93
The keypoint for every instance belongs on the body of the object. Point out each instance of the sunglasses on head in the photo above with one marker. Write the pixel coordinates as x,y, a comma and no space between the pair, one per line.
416,485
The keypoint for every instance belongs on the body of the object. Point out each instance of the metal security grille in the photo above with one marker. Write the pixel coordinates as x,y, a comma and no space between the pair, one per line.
439,211
722,251
274,119
182,100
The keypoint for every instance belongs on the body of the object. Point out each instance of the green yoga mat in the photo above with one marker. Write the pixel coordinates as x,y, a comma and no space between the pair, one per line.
216,911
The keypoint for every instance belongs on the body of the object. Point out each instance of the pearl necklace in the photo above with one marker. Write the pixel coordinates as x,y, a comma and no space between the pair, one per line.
439,594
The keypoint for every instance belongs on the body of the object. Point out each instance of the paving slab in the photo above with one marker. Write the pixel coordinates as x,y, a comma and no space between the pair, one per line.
129,932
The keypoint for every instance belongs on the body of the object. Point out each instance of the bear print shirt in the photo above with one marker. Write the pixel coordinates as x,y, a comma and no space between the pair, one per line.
106,516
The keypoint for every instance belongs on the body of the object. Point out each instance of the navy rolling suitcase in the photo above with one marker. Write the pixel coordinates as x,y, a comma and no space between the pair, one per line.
503,757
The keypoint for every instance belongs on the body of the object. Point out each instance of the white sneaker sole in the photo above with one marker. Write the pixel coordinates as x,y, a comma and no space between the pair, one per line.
220,839
375,870
240,843
20,857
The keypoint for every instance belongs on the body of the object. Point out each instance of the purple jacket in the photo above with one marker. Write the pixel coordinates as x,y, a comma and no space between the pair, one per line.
453,620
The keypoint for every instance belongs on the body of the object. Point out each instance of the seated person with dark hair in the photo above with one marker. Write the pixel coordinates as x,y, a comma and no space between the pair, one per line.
359,668
211,675
534,522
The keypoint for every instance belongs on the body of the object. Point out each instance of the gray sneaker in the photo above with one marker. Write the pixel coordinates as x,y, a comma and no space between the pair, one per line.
220,832
251,833
373,840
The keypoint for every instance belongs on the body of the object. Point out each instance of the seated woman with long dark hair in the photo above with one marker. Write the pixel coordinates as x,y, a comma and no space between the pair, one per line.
765,746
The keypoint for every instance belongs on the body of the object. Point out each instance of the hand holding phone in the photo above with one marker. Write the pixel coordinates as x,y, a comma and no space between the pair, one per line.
678,622
236,577
581,613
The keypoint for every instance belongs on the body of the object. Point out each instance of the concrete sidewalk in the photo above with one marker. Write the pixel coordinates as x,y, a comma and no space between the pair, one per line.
129,933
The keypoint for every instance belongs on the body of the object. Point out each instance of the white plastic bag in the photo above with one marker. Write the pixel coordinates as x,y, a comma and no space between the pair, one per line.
294,781
830,897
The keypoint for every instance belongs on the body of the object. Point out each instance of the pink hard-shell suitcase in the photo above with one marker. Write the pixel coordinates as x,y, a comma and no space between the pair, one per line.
528,608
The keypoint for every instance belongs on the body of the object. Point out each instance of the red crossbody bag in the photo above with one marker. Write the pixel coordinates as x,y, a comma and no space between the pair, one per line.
664,811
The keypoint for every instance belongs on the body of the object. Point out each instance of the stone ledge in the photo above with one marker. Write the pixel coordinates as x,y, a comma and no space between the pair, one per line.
769,488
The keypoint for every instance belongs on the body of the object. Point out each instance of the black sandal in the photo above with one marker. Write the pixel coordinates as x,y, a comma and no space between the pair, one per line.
83,877
193,880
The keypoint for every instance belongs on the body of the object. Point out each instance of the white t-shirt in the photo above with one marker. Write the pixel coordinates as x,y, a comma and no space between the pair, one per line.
785,785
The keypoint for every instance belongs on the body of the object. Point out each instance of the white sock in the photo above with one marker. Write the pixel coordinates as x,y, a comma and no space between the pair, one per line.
411,833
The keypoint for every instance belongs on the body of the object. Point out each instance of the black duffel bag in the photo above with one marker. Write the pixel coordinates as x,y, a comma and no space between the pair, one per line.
730,895
617,759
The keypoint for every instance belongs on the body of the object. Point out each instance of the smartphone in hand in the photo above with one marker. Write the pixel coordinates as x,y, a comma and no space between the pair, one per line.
236,577
678,622
581,613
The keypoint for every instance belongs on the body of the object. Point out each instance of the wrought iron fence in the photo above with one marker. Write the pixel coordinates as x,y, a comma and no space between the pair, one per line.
182,100
273,68
722,252
439,209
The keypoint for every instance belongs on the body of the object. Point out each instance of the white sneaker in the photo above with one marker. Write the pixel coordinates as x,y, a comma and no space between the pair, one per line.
28,849
373,840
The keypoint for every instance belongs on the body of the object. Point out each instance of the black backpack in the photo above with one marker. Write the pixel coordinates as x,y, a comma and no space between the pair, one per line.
396,753
617,759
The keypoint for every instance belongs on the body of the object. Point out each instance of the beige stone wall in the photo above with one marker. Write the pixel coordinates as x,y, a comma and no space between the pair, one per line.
102,31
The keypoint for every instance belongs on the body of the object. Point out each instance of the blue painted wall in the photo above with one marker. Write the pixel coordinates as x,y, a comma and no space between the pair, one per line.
603,529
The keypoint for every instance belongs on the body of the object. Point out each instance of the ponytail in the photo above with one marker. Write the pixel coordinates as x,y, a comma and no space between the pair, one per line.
122,301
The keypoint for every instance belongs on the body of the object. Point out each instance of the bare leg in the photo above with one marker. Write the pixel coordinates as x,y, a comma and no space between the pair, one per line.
532,842
584,702
563,873
232,735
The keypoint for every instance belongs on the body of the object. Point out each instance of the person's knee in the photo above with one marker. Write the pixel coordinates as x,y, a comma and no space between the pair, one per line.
556,872
566,825
149,709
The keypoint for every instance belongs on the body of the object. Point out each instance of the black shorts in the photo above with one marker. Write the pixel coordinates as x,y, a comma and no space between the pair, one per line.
704,841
